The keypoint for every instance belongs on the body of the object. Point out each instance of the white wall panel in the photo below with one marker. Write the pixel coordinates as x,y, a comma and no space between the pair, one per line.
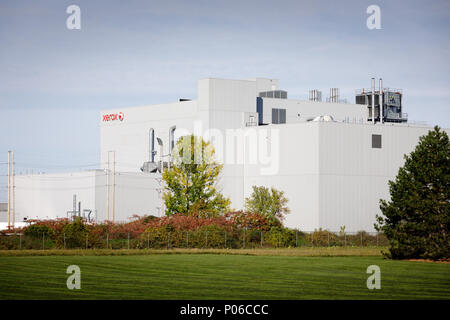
135,194
354,176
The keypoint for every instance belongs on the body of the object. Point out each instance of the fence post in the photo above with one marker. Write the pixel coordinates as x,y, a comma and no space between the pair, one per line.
168,240
107,240
187,239
361,240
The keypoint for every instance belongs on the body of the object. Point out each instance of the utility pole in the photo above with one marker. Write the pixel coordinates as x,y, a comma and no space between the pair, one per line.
107,189
13,193
9,189
114,187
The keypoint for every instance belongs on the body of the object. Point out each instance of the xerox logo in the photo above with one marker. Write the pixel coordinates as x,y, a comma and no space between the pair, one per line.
113,117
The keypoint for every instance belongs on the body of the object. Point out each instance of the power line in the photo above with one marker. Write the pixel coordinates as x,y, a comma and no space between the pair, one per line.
39,165
85,188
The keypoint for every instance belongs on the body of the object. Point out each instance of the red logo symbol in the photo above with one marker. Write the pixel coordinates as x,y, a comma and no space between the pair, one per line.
113,117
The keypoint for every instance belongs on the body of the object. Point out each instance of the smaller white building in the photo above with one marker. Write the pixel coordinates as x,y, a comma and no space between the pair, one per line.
85,193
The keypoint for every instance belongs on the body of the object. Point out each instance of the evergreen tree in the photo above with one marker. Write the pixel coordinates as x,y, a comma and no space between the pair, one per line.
417,217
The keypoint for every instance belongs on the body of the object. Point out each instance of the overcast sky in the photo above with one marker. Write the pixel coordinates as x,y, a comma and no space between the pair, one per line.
54,81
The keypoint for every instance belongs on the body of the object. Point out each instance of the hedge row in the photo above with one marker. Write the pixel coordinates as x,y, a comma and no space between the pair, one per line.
205,237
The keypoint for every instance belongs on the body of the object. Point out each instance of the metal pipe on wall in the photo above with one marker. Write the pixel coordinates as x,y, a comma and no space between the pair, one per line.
161,150
151,145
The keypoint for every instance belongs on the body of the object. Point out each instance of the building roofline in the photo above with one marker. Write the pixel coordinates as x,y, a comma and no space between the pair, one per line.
149,105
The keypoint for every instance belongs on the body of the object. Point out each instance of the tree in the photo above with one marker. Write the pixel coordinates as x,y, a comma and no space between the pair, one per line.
191,182
417,217
272,204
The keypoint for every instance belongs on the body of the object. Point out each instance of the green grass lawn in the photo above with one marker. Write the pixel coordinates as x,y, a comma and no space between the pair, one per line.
213,276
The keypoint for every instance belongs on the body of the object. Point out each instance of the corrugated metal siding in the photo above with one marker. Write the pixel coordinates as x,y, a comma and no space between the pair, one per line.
354,176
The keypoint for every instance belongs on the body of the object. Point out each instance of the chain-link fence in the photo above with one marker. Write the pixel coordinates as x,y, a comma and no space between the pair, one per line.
236,239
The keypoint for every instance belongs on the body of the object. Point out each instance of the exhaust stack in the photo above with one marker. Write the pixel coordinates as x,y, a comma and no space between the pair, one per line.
315,95
373,100
381,100
334,95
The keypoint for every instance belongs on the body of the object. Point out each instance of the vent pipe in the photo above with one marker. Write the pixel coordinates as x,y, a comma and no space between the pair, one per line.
373,100
315,95
381,100
334,95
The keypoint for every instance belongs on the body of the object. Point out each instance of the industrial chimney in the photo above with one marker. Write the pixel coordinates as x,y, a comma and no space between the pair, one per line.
373,100
315,95
381,100
334,95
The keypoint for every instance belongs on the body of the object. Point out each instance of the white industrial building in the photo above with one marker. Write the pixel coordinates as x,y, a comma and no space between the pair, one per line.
332,159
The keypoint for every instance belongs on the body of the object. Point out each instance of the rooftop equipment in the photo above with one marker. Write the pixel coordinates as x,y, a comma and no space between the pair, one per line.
389,99
334,95
276,94
315,95
324,118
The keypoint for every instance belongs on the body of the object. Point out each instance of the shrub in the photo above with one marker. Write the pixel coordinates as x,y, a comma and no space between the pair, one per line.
38,231
280,237
251,220
322,238
75,234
